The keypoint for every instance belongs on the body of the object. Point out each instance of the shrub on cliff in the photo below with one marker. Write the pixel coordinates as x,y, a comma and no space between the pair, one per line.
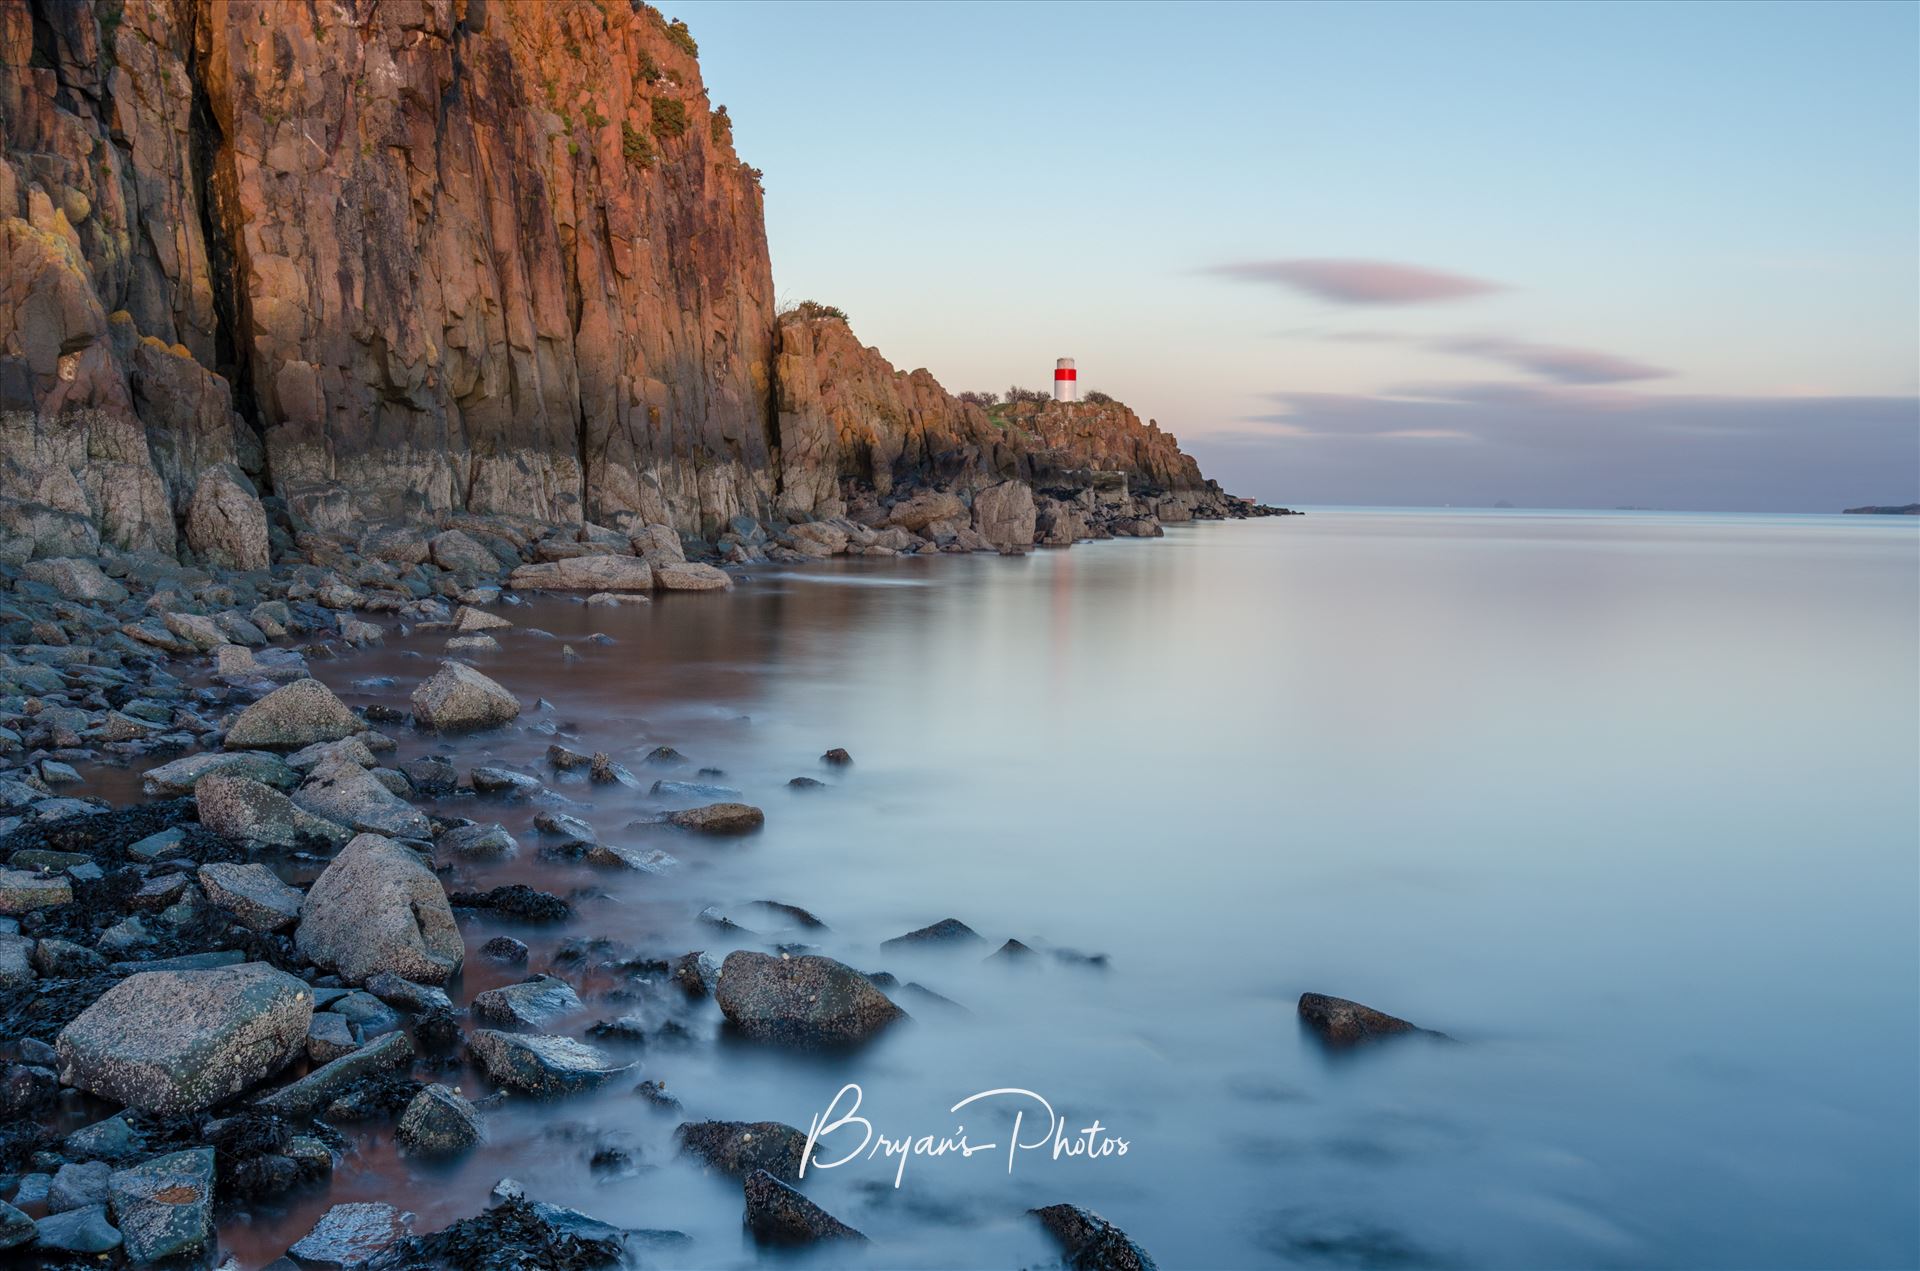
807,310
669,118
683,38
1018,396
635,146
982,400
720,127
1099,398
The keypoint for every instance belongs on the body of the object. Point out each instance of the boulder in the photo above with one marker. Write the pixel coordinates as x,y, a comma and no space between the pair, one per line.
439,1122
948,932
777,1214
171,780
78,1231
584,573
658,545
376,908
458,698
540,1065
15,1227
720,818
16,960
459,552
478,843
924,508
76,1186
1090,1242
528,1006
351,1236
254,813
164,1207
1339,1022
23,891
344,792
688,577
226,526
76,579
180,1041
324,1084
740,1147
1004,515
252,893
469,620
292,718
808,1002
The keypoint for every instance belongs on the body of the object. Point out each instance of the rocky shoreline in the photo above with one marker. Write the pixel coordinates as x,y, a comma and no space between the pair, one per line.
199,992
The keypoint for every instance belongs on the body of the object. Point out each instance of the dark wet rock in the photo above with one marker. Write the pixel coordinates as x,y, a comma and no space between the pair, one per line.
495,780
458,698
253,894
696,973
369,1016
349,795
613,856
179,1041
806,1001
1012,951
1075,957
740,1147
239,808
795,913
113,1139
561,825
489,842
27,1090
351,1236
807,783
164,1207
517,900
505,949
408,996
330,1036
604,771
567,760
528,1006
947,933
17,954
78,1231
1090,1242
665,757
691,790
439,1122
655,1093
540,1065
712,917
1339,1022
720,818
330,1081
77,1186
431,775
777,1214
15,1227
377,908
924,996
289,718
836,758
517,1235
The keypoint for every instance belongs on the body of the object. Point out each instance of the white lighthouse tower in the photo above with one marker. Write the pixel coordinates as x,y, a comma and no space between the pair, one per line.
1066,388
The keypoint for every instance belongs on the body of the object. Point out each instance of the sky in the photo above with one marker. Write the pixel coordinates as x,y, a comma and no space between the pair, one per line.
1554,255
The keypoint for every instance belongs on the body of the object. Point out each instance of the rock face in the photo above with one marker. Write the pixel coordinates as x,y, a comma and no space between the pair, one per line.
377,908
180,1041
807,1002
226,525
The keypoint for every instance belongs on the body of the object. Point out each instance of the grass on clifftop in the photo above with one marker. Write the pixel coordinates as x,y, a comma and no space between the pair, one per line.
807,310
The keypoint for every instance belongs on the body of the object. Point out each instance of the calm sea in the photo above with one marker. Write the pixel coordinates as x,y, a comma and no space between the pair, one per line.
1627,804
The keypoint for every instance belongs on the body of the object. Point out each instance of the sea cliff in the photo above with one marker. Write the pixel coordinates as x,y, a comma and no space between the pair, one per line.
407,261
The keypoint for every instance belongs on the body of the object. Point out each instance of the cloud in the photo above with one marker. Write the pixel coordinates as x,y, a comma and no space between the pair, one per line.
1553,445
1358,282
1552,361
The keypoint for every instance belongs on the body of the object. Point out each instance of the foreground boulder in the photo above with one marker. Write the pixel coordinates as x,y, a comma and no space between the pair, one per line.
540,1065
688,577
720,818
1004,515
252,893
1090,1242
458,698
352,1235
439,1122
324,1084
778,1214
585,573
376,908
1339,1022
292,718
181,1041
344,792
525,1007
171,780
239,808
808,1001
741,1147
164,1207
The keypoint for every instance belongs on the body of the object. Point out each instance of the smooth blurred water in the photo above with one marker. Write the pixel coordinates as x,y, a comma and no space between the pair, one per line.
1627,804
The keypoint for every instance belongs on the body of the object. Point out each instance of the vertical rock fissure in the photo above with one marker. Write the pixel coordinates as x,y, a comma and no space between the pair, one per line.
231,343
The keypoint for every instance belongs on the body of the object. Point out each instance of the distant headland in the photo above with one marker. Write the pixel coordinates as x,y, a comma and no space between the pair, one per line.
1911,509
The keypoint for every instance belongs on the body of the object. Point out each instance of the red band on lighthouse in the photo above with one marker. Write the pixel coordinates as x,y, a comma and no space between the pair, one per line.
1066,373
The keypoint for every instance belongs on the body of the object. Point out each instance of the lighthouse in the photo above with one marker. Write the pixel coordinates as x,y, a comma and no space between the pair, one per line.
1065,387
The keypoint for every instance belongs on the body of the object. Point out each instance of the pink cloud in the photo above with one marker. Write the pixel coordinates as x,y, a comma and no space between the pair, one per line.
1552,361
1358,282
